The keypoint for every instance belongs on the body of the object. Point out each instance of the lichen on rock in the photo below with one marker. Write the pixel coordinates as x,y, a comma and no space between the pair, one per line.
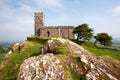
48,47
77,62
43,67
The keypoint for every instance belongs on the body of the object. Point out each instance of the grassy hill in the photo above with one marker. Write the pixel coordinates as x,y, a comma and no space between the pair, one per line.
12,64
32,47
104,52
111,51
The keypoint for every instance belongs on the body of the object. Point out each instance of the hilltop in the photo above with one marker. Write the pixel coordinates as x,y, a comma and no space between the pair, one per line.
43,58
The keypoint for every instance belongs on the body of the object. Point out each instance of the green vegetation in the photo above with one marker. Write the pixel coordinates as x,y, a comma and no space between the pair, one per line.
100,50
13,63
104,52
69,71
63,54
75,75
104,39
4,48
34,45
60,48
84,43
83,32
2,56
38,39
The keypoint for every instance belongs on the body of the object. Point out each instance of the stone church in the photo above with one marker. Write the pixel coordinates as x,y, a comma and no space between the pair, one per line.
51,31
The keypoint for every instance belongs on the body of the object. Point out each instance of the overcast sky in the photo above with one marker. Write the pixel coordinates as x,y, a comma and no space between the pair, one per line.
17,16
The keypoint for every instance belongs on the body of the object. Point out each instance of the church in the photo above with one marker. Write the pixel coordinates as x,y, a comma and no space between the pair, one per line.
51,31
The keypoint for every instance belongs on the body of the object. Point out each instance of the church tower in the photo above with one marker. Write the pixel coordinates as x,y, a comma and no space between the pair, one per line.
38,22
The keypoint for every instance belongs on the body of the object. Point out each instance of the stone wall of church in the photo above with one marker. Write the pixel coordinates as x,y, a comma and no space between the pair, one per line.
57,31
52,31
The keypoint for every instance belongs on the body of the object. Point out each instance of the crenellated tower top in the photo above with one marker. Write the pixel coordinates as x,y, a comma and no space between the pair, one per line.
38,22
39,19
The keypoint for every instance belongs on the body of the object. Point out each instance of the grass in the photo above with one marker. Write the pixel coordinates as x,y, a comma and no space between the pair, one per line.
60,48
101,51
75,75
69,72
2,55
38,39
63,54
104,52
11,69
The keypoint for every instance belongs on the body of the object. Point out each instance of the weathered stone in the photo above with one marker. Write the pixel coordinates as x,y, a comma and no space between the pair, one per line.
96,67
7,55
49,47
43,67
15,47
80,61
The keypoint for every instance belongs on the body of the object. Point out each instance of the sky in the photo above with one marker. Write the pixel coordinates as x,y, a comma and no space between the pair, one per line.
17,16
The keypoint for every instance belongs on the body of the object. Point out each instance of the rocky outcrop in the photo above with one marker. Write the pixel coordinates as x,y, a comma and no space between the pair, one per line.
15,47
8,54
96,68
48,47
18,48
43,67
77,60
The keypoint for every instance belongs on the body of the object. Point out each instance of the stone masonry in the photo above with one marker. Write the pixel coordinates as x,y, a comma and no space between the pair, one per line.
51,31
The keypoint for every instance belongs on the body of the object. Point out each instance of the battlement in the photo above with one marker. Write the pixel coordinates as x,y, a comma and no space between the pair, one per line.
39,14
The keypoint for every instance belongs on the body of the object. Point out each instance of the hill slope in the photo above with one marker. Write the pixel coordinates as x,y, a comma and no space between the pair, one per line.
57,59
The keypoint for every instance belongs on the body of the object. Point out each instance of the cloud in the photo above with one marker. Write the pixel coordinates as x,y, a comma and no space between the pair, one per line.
16,20
45,4
26,8
60,19
116,11
76,1
17,17
51,3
